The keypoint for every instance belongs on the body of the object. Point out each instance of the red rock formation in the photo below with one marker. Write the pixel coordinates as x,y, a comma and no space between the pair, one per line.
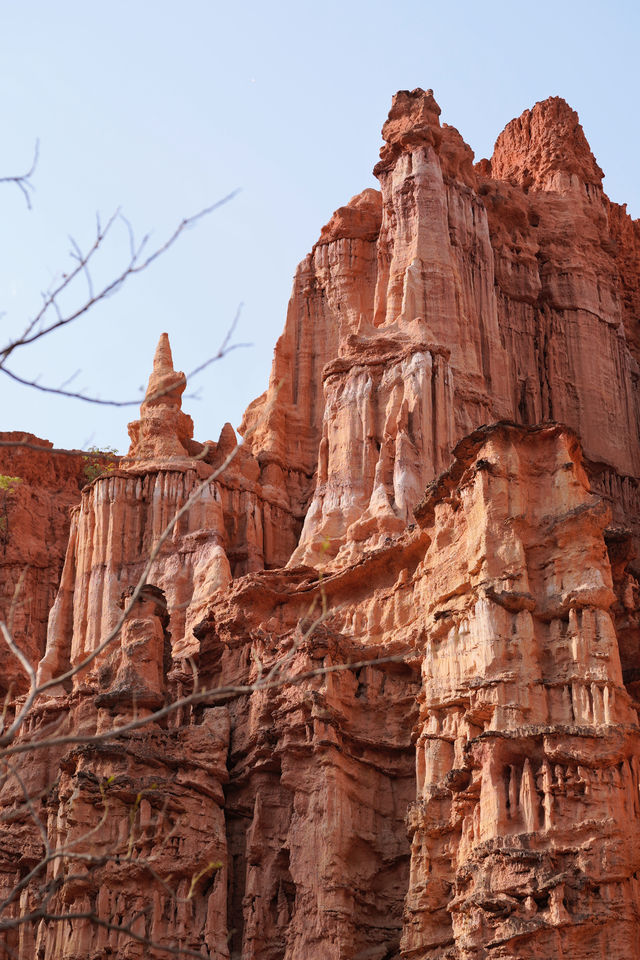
525,830
546,149
419,738
624,244
486,293
525,744
163,430
38,487
120,523
564,326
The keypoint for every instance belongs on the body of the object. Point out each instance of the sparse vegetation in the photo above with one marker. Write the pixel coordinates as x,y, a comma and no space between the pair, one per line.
95,462
7,486
8,483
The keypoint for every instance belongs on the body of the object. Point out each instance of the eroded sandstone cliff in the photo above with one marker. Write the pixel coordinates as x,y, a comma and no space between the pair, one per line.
381,682
37,489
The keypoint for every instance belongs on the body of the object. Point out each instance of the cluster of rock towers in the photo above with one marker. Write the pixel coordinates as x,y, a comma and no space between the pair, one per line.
447,462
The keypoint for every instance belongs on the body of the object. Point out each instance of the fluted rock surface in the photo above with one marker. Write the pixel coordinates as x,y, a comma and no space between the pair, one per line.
407,603
525,828
500,291
38,487
121,529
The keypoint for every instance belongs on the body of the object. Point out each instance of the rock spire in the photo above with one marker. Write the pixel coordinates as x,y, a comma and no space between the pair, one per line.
163,431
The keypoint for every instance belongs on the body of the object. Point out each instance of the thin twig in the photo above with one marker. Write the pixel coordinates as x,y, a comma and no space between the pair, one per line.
28,802
14,922
23,181
40,326
207,694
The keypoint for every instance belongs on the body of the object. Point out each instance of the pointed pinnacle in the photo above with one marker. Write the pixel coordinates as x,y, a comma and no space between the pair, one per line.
163,359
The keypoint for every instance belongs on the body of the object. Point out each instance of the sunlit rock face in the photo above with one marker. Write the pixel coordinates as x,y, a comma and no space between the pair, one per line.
519,818
500,292
424,540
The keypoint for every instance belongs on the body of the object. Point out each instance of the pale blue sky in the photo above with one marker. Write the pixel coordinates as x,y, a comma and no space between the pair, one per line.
162,108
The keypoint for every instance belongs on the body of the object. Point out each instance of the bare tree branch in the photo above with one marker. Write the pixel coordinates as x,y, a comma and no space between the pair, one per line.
225,347
18,654
23,181
39,893
29,445
77,395
99,922
51,317
28,801
212,694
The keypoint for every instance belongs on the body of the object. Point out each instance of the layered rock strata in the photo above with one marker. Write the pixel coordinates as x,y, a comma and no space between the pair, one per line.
409,601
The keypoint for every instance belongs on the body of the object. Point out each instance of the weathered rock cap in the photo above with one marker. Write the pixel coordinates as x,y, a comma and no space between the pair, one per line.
414,119
166,385
542,144
359,219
